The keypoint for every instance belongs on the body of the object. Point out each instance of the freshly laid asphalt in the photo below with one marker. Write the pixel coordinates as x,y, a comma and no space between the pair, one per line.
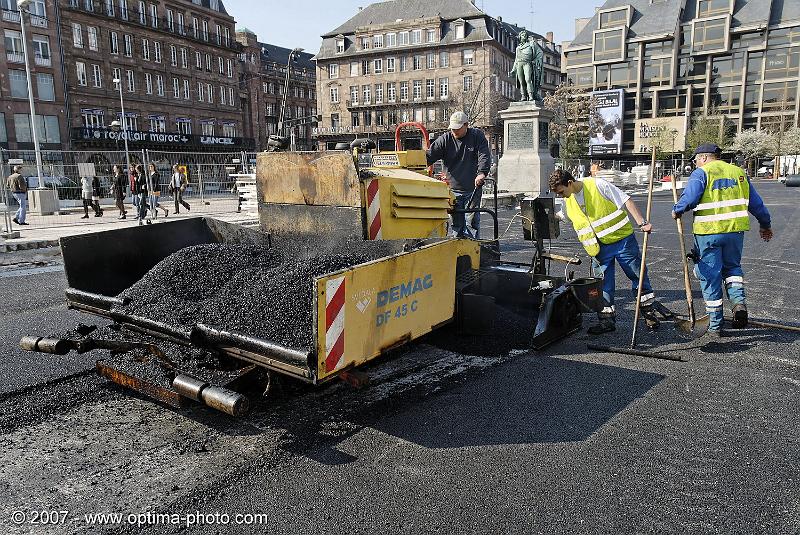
566,440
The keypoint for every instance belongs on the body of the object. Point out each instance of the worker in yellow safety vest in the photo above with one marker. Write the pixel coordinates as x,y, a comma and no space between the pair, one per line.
595,208
722,199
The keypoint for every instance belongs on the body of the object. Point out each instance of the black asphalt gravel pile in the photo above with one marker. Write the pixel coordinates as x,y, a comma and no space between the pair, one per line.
511,332
262,292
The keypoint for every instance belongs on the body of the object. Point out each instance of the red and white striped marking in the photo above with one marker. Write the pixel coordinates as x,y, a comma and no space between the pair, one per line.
334,323
374,210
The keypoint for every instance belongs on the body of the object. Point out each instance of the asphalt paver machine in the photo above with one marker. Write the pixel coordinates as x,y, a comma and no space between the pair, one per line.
426,280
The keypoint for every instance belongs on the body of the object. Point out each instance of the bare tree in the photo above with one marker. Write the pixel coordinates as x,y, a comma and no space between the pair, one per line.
570,126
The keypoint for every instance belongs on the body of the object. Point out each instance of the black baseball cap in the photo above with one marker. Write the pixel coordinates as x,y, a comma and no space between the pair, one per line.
707,148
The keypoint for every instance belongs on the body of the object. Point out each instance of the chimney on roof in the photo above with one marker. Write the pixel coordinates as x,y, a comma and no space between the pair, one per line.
499,19
549,36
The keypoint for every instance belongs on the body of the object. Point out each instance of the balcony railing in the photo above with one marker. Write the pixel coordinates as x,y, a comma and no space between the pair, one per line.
42,61
39,22
15,57
10,16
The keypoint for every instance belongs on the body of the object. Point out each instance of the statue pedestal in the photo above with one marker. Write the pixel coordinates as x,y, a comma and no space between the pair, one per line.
526,163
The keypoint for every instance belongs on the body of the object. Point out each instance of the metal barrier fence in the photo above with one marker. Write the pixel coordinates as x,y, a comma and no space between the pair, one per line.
211,188
663,167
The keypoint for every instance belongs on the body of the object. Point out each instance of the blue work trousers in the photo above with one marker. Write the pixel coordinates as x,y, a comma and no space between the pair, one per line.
626,252
720,263
22,199
467,225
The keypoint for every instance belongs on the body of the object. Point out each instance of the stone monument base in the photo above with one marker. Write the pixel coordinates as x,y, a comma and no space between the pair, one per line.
526,164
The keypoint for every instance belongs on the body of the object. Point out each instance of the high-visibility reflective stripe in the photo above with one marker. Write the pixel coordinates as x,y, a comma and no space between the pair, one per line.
607,310
589,242
713,304
647,297
734,278
611,229
719,217
721,204
606,219
585,232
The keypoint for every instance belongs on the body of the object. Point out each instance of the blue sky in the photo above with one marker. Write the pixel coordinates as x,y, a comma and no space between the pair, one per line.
292,23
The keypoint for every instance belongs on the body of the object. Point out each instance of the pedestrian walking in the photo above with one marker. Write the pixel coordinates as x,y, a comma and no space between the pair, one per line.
140,192
118,186
155,183
177,186
18,186
97,194
87,195
595,208
720,196
467,159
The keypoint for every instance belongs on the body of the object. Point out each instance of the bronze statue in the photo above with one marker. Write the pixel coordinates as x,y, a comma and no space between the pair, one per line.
527,70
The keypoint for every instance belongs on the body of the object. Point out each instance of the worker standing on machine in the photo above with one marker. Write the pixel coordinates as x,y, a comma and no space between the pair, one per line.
466,157
594,207
721,196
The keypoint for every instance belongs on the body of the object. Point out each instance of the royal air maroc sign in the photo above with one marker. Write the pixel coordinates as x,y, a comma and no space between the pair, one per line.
107,136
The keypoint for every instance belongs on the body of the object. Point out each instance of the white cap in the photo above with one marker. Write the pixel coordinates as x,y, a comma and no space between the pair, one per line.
457,120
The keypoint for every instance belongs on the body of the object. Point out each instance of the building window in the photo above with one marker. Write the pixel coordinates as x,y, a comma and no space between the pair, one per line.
417,63
784,36
364,43
97,76
727,69
154,15
41,51
353,68
230,97
416,37
44,86
444,87
222,95
200,91
578,57
19,83
781,63
157,49
379,118
468,56
229,129
710,35
128,39
403,64
116,77
77,35
444,59
468,83
159,85
195,28
608,45
80,68
378,66
334,94
353,95
355,119
181,26
725,98
176,88
230,68
391,92
205,30
391,39
366,66
170,20
377,41
402,38
430,89
183,125
173,56
431,60
92,118
145,50
417,90
184,58
390,64
403,91
114,42
186,92
712,7
207,127
430,36
656,72
210,93
366,92
460,30
221,64
131,81
91,34
378,93
333,70
208,62
613,19
780,96
671,103
218,35
624,74
158,123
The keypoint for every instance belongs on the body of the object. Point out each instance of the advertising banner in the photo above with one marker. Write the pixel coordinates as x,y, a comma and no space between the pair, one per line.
660,132
605,122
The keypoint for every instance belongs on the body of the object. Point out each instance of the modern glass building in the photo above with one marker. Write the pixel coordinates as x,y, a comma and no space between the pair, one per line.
679,58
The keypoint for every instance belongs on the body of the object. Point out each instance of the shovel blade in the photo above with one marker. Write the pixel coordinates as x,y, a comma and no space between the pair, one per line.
696,329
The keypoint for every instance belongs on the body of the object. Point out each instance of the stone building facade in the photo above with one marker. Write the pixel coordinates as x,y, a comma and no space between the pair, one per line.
402,61
263,69
44,55
676,59
178,62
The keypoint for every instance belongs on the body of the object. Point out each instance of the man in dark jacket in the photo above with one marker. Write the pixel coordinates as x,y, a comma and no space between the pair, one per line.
466,157
19,189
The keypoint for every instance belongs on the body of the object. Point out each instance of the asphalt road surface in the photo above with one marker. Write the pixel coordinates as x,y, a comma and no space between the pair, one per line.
446,439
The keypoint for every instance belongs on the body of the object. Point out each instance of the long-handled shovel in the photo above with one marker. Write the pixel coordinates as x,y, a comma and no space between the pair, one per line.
643,265
693,326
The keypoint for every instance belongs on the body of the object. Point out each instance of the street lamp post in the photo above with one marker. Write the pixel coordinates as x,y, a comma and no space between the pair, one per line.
292,55
22,5
118,81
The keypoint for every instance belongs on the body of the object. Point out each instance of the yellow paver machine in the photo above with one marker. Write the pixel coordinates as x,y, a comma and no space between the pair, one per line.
335,199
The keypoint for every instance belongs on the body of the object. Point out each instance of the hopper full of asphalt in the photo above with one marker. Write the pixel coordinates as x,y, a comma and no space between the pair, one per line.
263,292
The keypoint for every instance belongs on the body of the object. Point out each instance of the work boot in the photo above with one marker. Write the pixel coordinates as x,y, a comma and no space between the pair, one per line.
663,311
650,318
605,324
739,316
711,336
15,221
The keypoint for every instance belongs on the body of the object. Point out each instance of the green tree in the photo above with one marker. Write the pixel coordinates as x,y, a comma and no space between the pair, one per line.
711,128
